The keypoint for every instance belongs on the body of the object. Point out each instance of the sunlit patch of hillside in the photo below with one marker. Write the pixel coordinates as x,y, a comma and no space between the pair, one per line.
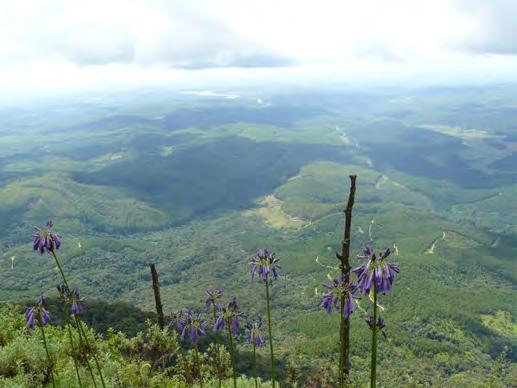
116,156
271,212
166,150
500,322
461,133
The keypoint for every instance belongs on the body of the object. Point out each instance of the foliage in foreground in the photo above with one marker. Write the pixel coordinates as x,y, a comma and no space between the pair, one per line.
152,358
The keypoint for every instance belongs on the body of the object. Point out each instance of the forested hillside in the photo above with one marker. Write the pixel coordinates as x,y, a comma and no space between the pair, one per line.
197,185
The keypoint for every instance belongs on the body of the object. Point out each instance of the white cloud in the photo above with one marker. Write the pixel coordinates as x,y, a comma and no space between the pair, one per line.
97,32
70,43
495,29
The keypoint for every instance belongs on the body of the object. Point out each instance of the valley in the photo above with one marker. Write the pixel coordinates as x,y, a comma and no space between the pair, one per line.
196,182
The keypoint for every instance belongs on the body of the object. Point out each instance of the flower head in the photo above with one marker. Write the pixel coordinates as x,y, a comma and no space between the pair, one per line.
63,290
46,240
255,334
192,325
264,264
72,297
229,315
77,302
32,314
212,297
376,271
176,317
338,289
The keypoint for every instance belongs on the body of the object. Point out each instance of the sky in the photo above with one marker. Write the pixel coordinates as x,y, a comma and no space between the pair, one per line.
68,44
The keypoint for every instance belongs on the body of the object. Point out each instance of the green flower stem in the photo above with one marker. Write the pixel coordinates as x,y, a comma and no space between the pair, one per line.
48,355
255,363
81,329
215,320
341,373
81,342
232,352
373,375
77,320
273,374
58,263
199,367
76,366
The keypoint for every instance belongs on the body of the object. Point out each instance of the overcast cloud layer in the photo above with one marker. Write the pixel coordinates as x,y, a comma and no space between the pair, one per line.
70,43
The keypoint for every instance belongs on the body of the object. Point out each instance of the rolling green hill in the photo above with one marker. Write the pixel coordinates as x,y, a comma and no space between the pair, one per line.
198,185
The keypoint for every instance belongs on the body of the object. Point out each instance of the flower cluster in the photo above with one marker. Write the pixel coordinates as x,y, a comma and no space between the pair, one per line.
264,264
212,298
376,271
229,315
255,335
72,297
193,325
46,240
338,289
38,312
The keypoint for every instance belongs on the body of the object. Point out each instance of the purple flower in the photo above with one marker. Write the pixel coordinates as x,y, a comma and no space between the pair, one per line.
219,323
72,297
376,270
76,308
77,302
264,264
337,290
229,315
380,323
37,312
232,304
29,316
46,240
255,334
176,317
44,316
367,252
234,322
63,290
192,325
213,297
